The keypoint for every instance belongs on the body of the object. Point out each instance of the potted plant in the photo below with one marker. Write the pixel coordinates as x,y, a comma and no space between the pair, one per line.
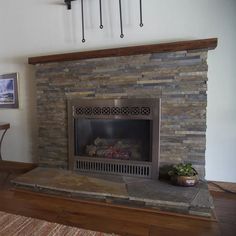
183,175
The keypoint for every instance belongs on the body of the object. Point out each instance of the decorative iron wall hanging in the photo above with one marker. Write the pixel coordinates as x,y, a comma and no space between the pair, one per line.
101,26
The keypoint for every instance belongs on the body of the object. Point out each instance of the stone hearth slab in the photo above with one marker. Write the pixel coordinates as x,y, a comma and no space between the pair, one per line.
68,181
137,192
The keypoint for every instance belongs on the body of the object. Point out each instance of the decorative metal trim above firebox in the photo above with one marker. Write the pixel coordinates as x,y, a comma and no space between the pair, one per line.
119,109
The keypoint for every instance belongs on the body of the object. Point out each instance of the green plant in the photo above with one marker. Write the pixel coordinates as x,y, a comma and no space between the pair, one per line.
182,170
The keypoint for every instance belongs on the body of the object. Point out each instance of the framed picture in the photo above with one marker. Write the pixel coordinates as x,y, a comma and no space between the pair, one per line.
9,91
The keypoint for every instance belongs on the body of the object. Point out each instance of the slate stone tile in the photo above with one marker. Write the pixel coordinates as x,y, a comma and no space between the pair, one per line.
202,199
203,212
158,190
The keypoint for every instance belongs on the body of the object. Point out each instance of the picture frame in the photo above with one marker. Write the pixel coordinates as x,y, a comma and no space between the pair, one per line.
9,91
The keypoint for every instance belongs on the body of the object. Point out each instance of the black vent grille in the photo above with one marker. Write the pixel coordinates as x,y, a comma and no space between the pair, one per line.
106,110
117,168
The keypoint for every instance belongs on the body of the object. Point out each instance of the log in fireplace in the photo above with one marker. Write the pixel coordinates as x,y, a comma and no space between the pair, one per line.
115,136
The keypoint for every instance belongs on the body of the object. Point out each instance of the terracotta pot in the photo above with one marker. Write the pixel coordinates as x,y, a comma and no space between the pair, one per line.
184,180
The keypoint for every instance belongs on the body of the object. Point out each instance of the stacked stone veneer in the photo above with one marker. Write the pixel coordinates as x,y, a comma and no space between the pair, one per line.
178,78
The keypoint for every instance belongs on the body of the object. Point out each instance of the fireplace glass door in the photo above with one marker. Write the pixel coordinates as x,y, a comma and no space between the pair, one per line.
112,139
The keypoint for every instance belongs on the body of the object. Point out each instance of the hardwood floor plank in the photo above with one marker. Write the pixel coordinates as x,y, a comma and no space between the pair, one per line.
55,209
162,231
105,223
225,208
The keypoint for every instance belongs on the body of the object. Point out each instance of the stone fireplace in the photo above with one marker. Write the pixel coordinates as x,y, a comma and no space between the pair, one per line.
114,136
107,116
173,73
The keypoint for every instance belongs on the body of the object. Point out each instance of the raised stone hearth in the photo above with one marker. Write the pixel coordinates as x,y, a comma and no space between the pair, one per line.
133,192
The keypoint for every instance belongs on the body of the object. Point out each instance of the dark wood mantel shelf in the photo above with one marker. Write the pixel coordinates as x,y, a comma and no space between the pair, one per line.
127,51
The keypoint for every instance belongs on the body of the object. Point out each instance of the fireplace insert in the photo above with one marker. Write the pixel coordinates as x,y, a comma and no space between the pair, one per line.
114,136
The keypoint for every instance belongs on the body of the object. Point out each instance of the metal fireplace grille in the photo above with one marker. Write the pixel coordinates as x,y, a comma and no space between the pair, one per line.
80,110
114,167
96,111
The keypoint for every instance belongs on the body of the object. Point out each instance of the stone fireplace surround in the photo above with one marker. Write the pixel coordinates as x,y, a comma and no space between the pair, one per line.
174,72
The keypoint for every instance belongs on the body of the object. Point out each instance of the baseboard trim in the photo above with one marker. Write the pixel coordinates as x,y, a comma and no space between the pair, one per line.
16,166
220,186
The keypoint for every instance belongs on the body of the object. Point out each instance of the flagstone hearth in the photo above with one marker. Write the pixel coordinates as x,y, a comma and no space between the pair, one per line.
134,192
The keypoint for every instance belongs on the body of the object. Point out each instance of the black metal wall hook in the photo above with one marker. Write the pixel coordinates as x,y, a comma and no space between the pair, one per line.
82,16
68,3
100,9
121,22
141,13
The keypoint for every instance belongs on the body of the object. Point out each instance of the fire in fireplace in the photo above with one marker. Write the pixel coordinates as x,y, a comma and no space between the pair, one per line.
114,136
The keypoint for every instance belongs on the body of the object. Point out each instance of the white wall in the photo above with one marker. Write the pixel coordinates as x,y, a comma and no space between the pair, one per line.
38,27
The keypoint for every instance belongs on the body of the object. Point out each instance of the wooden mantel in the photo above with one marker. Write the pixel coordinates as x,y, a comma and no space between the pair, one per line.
127,51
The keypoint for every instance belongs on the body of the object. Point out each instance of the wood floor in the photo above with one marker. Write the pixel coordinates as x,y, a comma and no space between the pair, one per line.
109,218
